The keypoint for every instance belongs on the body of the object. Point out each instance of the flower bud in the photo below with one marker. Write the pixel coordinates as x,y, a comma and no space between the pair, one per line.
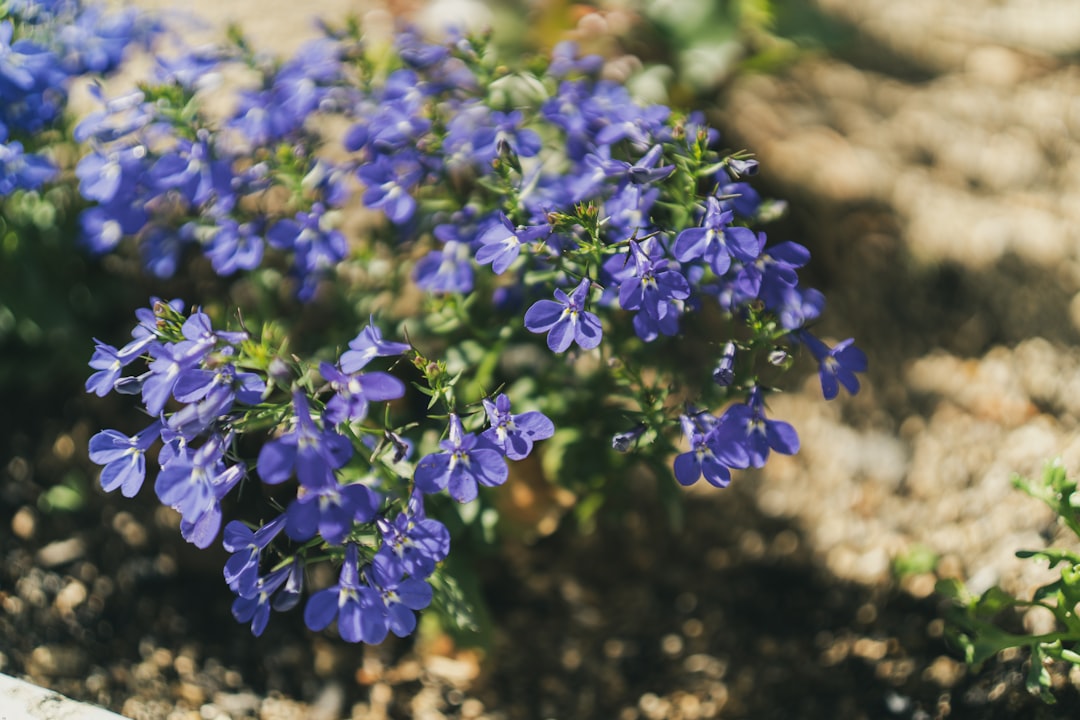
778,357
724,373
742,168
621,442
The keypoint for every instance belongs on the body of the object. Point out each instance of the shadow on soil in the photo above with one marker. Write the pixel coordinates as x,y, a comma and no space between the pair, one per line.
728,615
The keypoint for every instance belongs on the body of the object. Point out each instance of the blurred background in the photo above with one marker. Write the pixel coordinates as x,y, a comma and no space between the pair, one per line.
928,151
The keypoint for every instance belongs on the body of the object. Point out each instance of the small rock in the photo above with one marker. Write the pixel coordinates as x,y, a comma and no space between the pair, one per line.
71,596
24,523
61,552
241,703
330,703
56,661
192,694
456,671
944,671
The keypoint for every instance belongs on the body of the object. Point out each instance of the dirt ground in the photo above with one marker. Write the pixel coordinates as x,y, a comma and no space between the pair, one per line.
932,166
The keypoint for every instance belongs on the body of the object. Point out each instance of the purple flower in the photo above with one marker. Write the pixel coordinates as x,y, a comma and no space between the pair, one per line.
796,306
95,41
653,285
565,59
24,64
165,369
838,365
739,196
742,167
628,210
762,434
642,172
106,177
300,85
716,445
211,394
192,67
358,608
353,393
191,170
367,346
515,434
330,509
394,124
715,242
102,227
389,185
315,454
413,541
566,321
288,596
180,361
20,170
399,596
258,120
318,246
772,272
235,246
124,458
501,243
121,116
109,362
193,483
464,465
255,606
242,567
447,270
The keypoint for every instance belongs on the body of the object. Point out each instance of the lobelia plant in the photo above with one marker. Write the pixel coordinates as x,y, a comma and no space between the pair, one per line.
369,184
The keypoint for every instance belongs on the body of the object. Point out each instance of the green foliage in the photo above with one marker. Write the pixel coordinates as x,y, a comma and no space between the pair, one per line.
917,560
50,297
976,620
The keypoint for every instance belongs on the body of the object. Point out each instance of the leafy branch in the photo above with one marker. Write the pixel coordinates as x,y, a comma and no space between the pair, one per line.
975,620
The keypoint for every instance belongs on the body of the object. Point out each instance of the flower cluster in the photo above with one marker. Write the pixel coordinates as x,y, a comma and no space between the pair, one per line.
521,204
206,388
43,45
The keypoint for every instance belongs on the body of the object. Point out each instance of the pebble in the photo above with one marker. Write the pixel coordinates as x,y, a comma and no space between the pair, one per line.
57,661
24,523
240,703
71,596
192,694
458,672
945,671
61,552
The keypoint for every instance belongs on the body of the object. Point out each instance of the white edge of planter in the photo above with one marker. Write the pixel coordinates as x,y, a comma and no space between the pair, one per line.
20,700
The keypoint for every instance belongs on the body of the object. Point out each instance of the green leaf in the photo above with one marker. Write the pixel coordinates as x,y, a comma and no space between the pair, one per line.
954,589
458,603
993,601
1054,556
62,498
1038,678
918,559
